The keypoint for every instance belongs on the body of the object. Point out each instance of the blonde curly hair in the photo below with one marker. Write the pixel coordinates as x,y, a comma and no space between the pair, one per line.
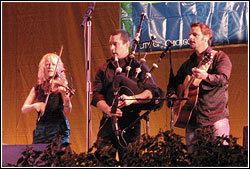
52,58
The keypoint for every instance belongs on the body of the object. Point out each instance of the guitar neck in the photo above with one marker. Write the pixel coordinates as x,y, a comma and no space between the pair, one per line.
192,77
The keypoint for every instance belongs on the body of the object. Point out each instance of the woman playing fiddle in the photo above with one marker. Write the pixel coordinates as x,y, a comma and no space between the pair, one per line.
50,97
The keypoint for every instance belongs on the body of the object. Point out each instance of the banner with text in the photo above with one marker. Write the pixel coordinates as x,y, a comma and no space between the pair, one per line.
170,21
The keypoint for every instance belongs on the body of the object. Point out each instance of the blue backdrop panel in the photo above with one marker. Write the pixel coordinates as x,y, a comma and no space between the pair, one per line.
171,21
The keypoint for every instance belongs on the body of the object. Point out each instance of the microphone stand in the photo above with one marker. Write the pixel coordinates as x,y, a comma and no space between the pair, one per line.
145,115
172,111
89,114
146,118
88,69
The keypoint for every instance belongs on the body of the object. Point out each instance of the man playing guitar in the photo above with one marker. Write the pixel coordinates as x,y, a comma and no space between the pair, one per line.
207,87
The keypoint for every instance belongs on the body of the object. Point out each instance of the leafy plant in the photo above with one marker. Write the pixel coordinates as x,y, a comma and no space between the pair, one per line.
222,151
166,149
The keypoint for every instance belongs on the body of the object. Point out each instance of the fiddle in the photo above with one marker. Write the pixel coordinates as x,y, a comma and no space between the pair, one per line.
54,85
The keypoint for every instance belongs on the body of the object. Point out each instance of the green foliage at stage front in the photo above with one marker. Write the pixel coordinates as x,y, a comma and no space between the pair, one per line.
166,149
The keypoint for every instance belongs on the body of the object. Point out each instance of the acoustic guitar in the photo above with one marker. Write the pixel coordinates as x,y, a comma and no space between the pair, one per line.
183,109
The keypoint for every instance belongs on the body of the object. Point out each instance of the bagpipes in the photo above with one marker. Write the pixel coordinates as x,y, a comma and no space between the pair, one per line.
136,42
129,86
132,85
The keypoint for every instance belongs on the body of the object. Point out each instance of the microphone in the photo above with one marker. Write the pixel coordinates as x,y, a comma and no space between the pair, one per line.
164,52
88,13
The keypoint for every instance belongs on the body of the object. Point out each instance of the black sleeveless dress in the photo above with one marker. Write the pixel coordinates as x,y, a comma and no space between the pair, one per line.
53,122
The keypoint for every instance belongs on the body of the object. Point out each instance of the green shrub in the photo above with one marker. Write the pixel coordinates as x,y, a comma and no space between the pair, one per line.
212,152
166,149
